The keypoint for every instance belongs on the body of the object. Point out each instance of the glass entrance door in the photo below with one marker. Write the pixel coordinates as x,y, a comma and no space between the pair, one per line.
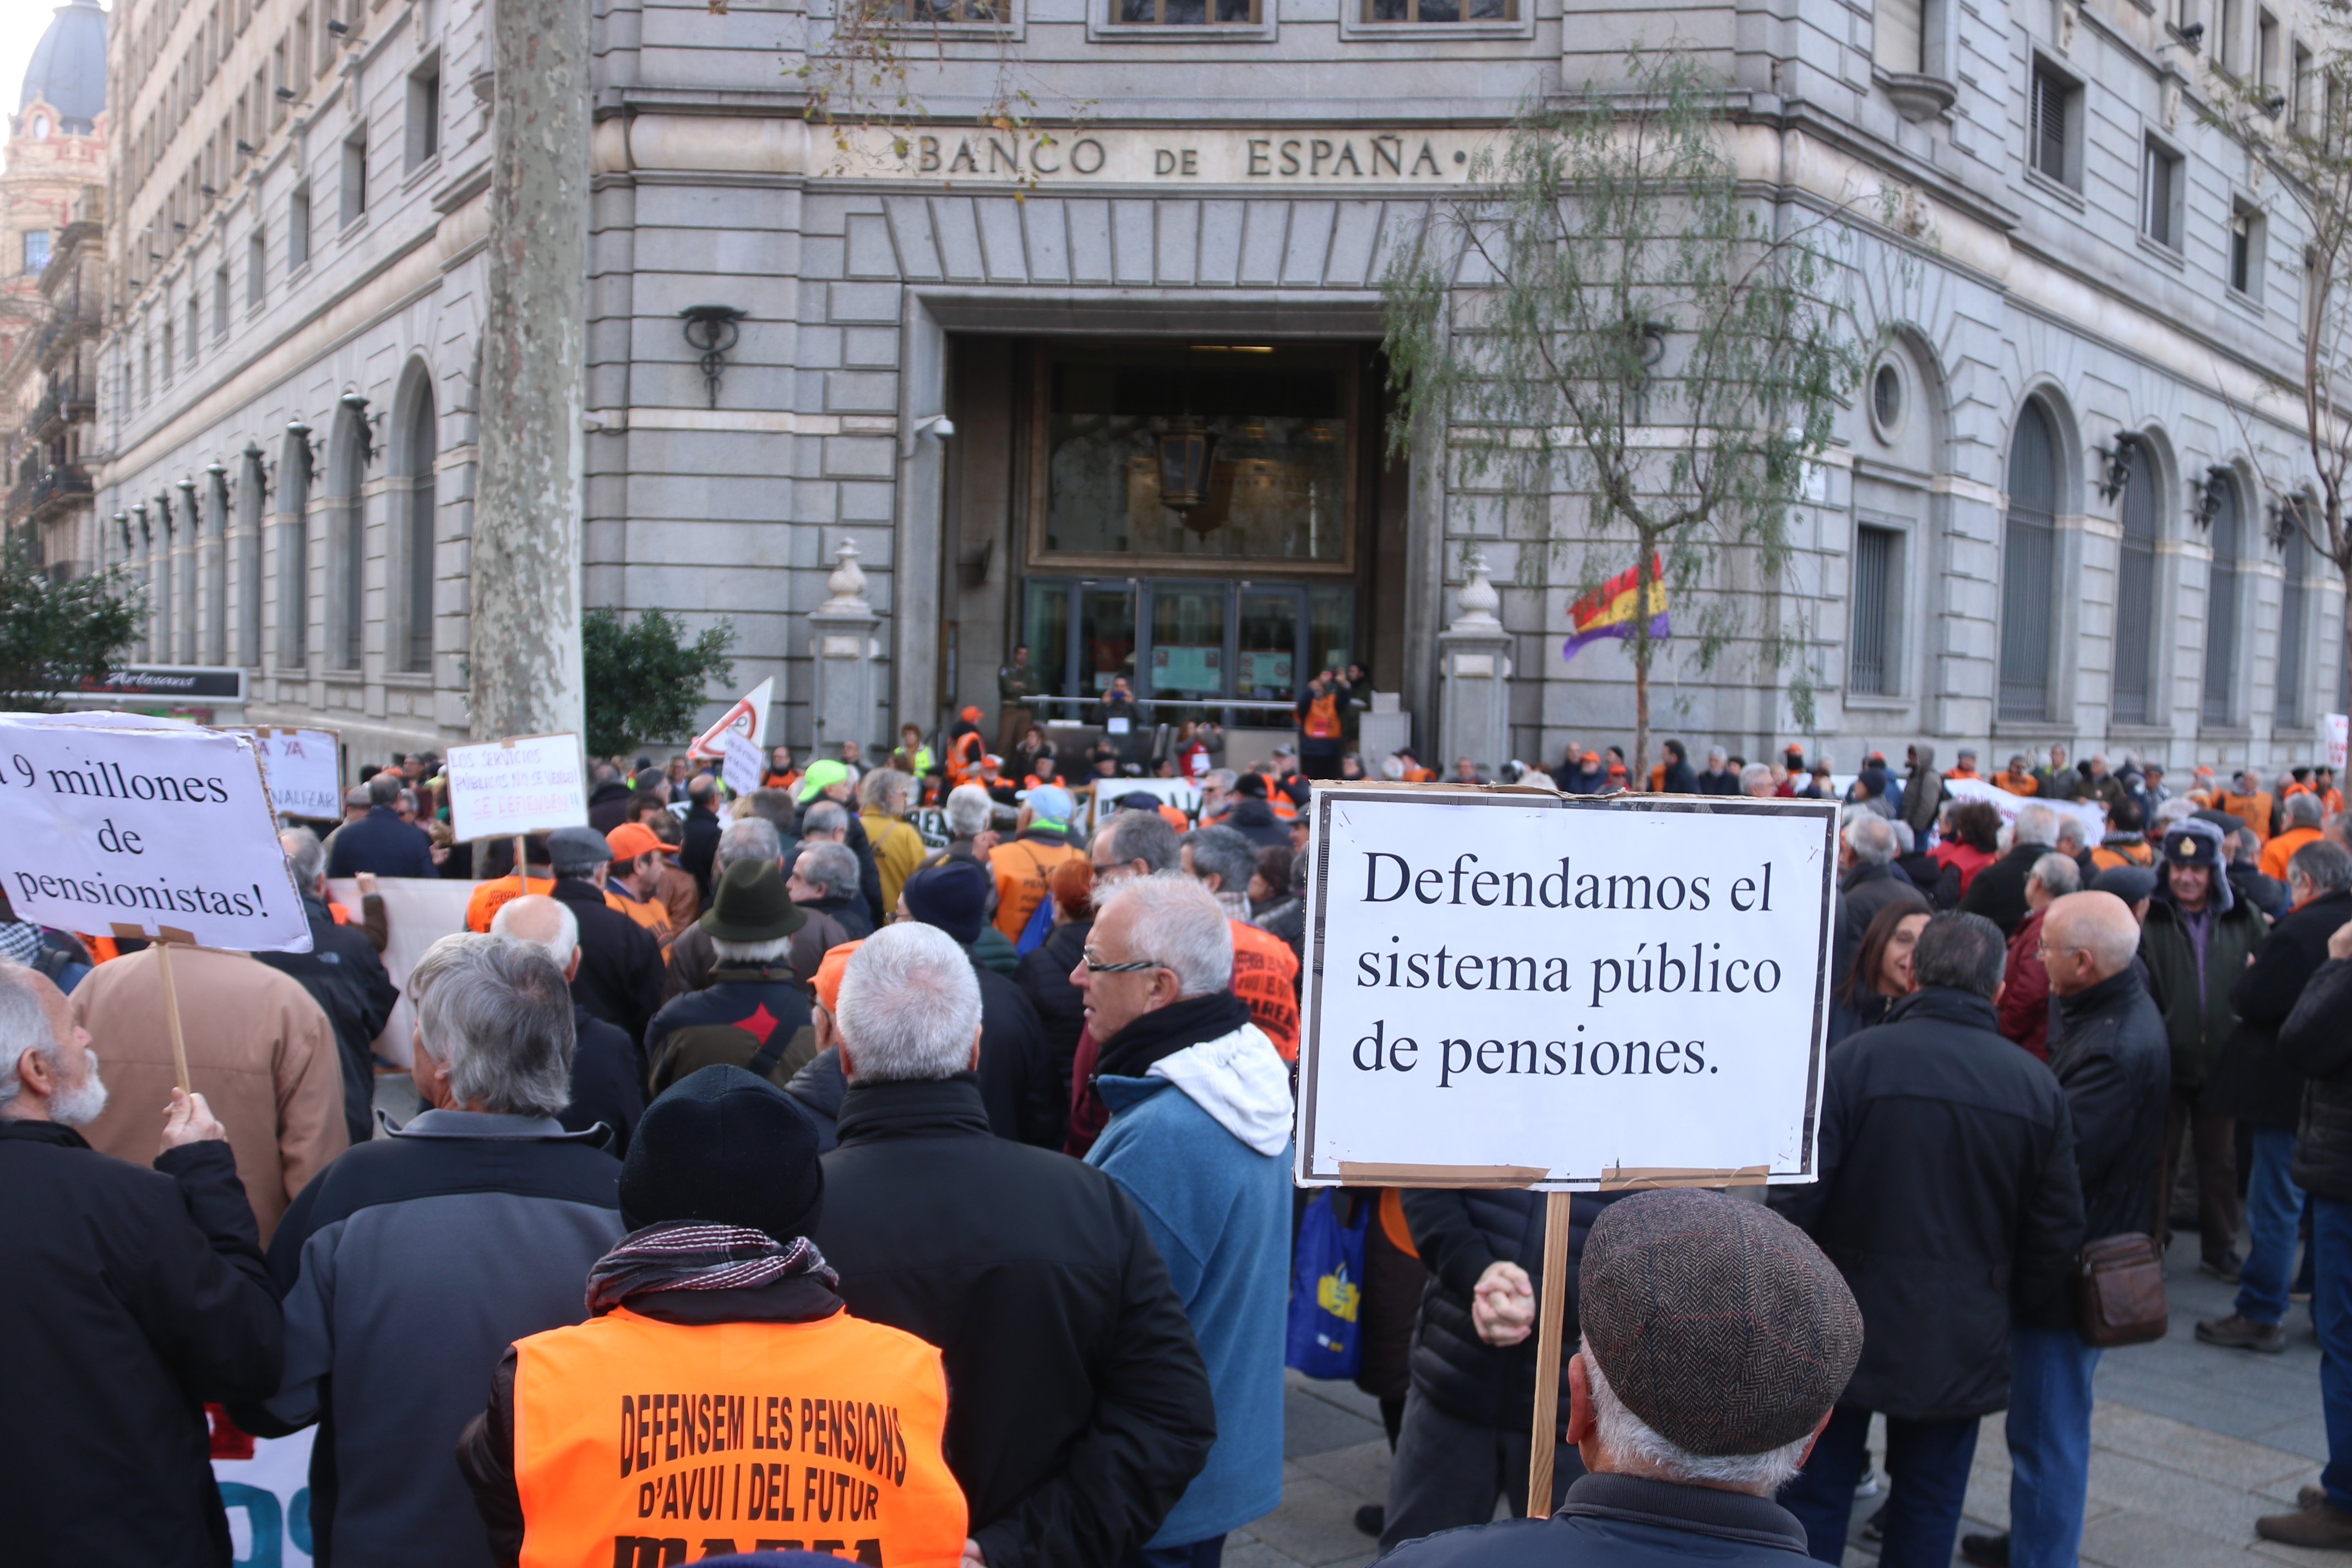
1188,640
1236,651
1266,665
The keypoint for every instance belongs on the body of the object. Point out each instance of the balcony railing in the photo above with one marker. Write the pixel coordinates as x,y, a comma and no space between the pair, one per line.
45,489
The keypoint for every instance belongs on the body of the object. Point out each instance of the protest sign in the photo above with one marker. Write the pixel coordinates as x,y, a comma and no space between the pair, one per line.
265,1487
1104,799
744,765
418,912
304,768
148,828
525,783
2089,813
1519,989
2334,732
748,718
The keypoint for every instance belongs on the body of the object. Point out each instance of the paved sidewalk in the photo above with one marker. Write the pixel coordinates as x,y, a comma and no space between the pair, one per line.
2190,1444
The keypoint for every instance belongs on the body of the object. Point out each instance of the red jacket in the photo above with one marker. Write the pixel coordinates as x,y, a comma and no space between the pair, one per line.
2025,989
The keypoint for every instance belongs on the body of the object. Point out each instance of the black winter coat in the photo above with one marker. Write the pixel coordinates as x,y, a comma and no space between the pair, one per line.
1947,1196
1026,1094
381,843
607,1084
2267,893
620,979
1458,1235
134,1297
1044,978
697,856
821,1087
2113,1059
1998,892
346,979
1081,1407
2249,1081
2316,1041
755,1016
1625,1521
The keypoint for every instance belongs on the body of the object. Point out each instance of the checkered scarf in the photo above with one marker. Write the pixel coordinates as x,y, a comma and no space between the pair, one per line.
688,1255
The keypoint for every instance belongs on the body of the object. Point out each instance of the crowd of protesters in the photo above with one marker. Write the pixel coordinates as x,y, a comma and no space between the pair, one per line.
985,1127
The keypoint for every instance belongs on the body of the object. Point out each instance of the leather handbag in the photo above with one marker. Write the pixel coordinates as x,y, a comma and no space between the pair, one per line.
2119,1291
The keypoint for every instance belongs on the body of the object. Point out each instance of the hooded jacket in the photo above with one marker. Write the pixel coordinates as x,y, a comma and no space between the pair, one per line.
2197,1017
1198,1138
1924,794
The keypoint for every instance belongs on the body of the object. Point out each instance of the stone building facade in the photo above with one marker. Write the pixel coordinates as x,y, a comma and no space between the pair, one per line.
985,354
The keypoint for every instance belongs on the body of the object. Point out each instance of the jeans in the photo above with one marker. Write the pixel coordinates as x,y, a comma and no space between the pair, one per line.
2331,1314
1927,1467
2273,1227
1206,1554
2049,1444
1448,1472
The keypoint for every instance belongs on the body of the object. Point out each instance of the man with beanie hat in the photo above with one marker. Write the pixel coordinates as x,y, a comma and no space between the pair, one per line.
755,1413
1023,867
1081,1406
1716,1339
1020,1082
754,1014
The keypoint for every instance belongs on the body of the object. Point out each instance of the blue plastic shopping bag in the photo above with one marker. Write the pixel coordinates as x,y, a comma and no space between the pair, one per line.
1325,1290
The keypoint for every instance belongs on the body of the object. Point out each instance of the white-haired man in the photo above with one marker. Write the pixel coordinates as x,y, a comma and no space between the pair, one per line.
413,1262
1998,892
608,1074
1081,1408
1199,1136
133,1297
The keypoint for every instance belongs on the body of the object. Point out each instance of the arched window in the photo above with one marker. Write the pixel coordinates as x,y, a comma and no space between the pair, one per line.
418,543
2029,567
347,470
2287,710
2135,588
2221,607
249,483
160,576
294,554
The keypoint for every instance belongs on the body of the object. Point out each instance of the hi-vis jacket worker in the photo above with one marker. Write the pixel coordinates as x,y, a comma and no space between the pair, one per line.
720,1399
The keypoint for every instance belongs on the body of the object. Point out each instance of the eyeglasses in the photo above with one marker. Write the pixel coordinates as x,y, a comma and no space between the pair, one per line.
1097,966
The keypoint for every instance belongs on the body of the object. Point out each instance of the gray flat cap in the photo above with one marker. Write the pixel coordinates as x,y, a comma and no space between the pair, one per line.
577,846
1718,1322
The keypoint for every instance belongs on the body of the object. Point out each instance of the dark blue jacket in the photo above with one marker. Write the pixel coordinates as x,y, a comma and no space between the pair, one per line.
379,842
1625,1521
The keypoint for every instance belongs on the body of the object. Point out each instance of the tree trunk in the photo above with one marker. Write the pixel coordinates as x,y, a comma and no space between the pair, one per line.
1638,771
525,633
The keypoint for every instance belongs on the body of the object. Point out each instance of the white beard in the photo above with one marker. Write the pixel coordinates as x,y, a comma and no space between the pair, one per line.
81,1105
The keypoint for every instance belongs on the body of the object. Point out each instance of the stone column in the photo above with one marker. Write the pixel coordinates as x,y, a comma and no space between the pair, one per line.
1474,711
846,654
524,650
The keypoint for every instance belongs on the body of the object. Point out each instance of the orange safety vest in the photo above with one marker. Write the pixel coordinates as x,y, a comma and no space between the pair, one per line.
1265,978
635,1441
963,756
1024,871
1322,720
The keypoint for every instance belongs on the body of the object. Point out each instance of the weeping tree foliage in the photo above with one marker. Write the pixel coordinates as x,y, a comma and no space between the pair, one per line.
1604,315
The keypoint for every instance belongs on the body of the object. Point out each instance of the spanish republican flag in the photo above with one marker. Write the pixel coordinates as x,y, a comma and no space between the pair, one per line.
1608,610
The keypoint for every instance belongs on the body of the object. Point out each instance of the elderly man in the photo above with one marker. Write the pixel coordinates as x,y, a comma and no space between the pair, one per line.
1755,781
344,977
702,830
2114,1065
1719,777
1933,1115
1081,1405
1199,1137
754,1013
2255,1088
608,1076
691,956
825,879
2196,941
1674,1474
620,974
2024,1004
2304,816
413,1263
134,1296
1023,1086
1265,972
1998,892
2018,778
260,1050
1868,882
887,797
1023,865
379,841
835,783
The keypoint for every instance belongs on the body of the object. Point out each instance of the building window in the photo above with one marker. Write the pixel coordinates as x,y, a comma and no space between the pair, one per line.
1898,28
355,173
297,229
1185,13
425,115
2161,191
1437,11
2267,49
2052,133
37,250
2221,607
294,555
1877,590
2227,52
2286,710
2029,567
256,270
2246,252
220,302
928,12
422,510
2299,102
2135,650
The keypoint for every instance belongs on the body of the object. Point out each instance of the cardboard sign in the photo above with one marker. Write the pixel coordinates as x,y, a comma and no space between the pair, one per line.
1519,989
146,826
2334,730
745,763
748,718
526,784
304,768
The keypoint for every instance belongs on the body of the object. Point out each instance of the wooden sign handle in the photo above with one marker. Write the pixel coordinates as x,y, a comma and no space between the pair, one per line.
522,882
171,1015
1552,1303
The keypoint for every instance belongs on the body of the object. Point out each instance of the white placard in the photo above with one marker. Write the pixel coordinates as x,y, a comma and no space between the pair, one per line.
2334,730
304,768
2091,814
267,1500
745,764
151,826
418,912
748,716
1519,989
527,784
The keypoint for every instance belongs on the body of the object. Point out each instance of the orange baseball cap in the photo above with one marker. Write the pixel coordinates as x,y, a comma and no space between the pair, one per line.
632,839
972,715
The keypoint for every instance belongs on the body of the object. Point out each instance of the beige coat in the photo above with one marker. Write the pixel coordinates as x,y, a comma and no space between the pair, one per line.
260,1051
